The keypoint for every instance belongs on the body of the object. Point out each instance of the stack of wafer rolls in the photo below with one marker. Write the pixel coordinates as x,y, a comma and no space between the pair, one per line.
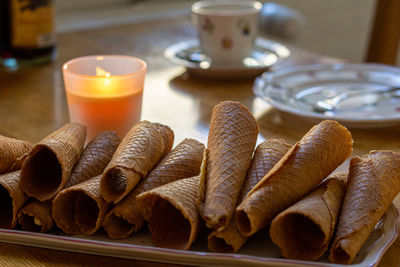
95,157
12,152
235,191
182,162
317,154
231,141
36,216
140,150
171,212
373,183
48,165
11,199
266,155
303,231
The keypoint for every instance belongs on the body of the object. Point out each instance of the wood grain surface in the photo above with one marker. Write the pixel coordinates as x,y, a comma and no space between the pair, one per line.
33,104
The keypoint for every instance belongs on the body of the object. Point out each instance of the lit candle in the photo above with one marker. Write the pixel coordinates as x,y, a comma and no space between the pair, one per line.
105,92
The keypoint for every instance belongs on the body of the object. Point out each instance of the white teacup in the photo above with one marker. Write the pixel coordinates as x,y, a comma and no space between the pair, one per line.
226,29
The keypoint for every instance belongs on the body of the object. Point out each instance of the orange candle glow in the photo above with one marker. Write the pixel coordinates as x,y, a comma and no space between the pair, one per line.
105,92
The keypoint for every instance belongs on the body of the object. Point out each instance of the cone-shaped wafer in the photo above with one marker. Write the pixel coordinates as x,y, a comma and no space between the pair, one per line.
80,208
317,154
303,230
10,150
172,213
36,216
95,157
167,135
11,199
373,183
266,155
182,162
231,141
48,165
140,150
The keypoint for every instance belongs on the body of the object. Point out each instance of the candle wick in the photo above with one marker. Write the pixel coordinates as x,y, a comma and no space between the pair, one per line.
102,72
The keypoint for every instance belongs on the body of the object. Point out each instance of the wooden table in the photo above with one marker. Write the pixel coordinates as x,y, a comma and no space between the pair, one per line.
32,105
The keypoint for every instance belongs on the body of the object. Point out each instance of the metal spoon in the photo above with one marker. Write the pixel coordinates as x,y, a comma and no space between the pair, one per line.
330,104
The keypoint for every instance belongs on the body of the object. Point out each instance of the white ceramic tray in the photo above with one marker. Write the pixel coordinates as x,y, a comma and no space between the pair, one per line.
258,251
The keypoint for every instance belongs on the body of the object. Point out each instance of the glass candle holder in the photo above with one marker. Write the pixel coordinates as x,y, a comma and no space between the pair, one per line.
104,92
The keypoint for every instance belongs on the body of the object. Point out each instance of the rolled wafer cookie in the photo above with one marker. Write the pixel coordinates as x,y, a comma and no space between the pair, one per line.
95,157
80,209
11,150
171,212
266,155
36,216
231,141
48,165
373,183
303,231
11,199
140,150
181,162
326,146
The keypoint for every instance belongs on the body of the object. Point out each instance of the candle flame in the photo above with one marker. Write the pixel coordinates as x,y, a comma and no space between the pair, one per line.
102,72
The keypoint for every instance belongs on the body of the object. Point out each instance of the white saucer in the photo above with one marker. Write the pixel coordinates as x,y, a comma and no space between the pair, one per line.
362,95
265,54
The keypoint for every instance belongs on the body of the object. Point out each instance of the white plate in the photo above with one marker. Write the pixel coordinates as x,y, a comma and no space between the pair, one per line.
258,251
366,95
265,54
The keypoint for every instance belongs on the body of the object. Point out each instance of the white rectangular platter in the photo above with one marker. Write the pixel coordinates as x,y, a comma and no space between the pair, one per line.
258,251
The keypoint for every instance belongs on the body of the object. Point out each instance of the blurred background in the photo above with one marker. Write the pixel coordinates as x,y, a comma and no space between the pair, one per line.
337,28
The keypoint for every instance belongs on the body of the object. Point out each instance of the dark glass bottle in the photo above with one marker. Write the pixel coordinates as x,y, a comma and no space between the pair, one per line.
29,31
4,29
